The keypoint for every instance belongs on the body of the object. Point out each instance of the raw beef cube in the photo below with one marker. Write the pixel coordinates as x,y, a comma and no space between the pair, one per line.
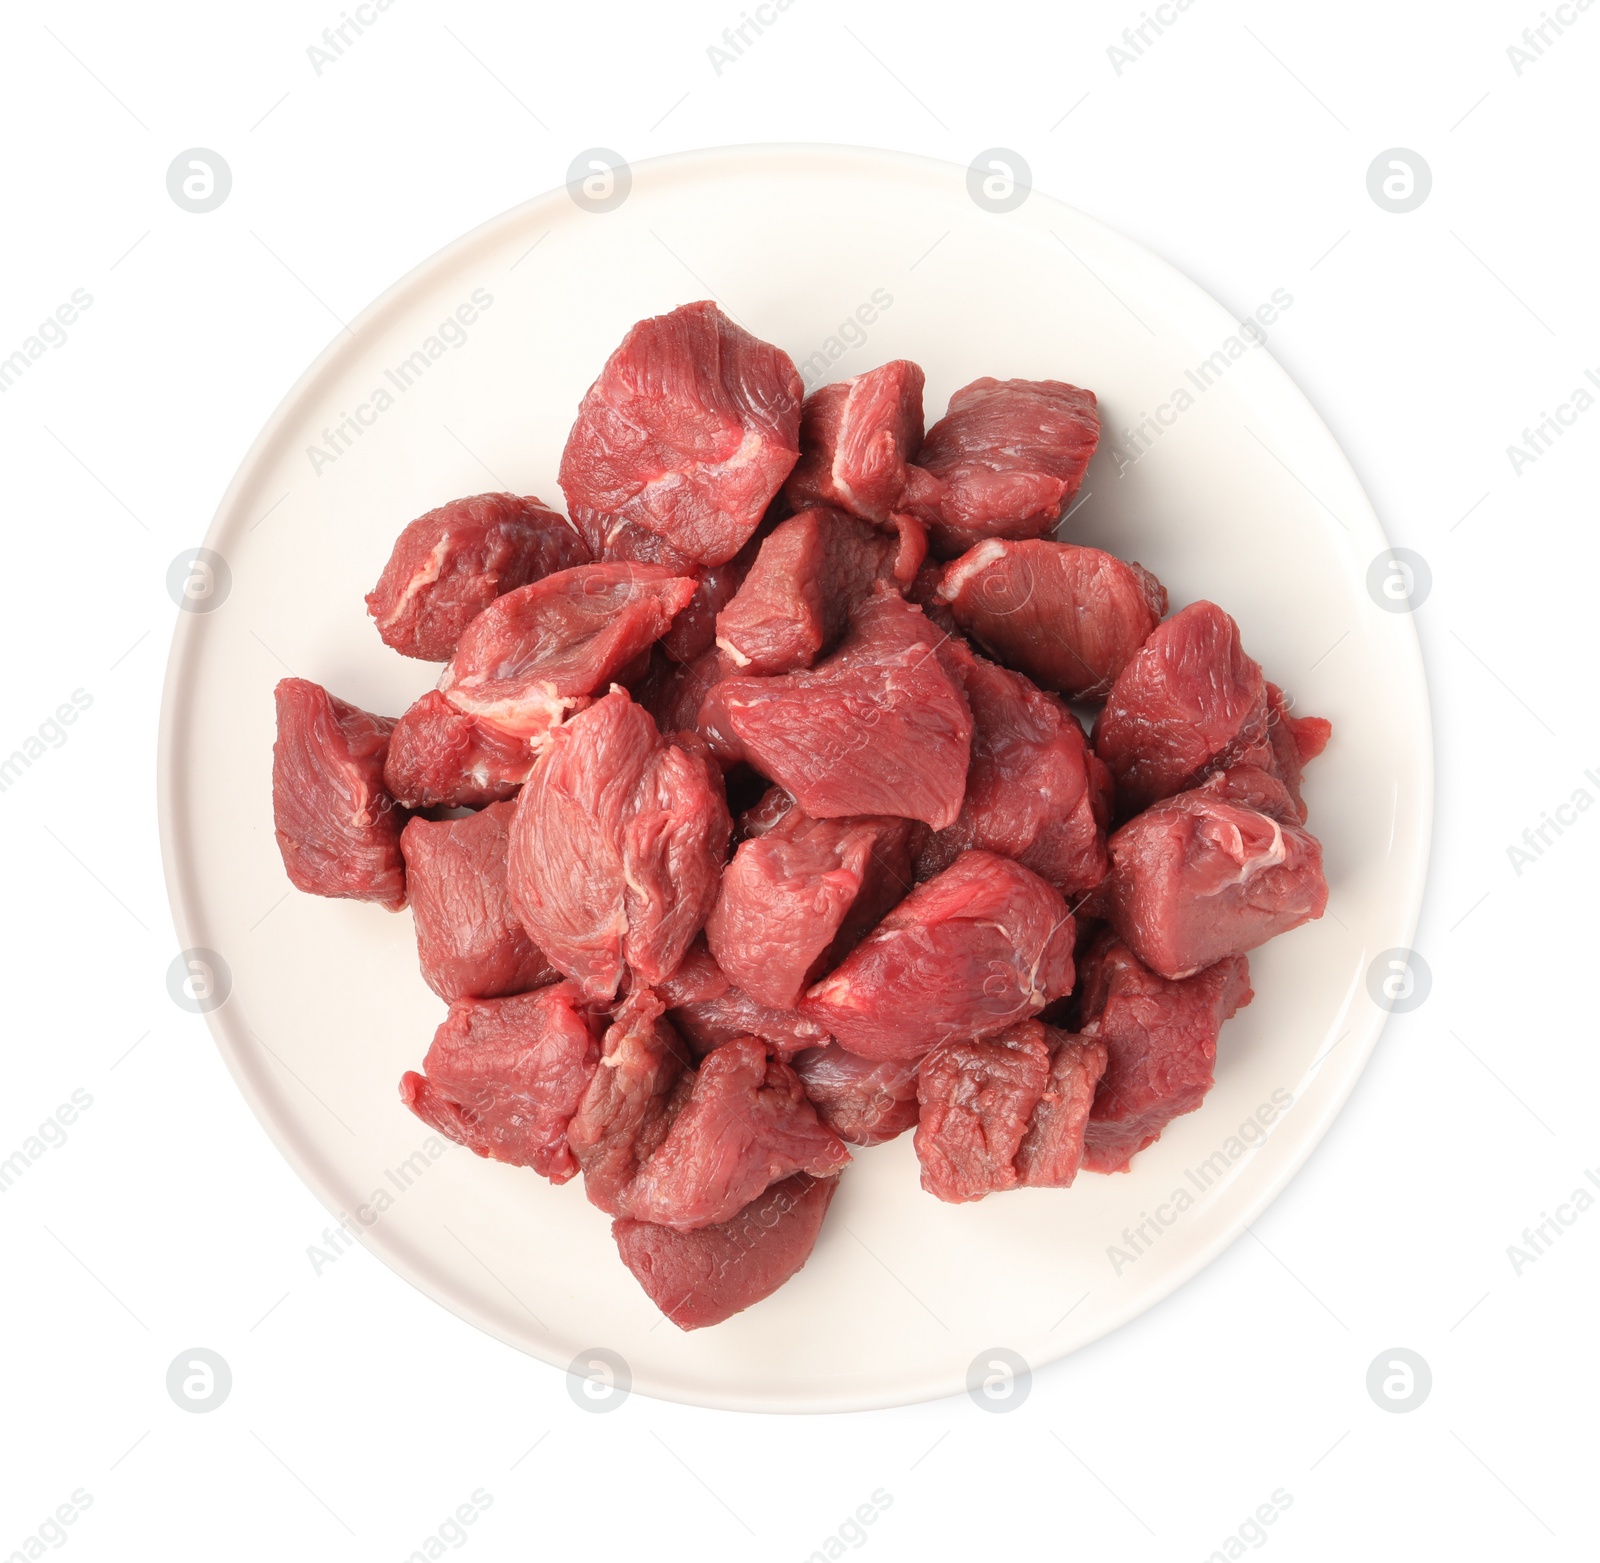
1052,1150
746,1125
1002,462
617,846
708,1010
529,658
796,898
1161,1042
1068,617
338,829
1189,702
708,1275
450,564
1035,791
977,1098
880,727
618,539
689,432
1206,874
809,576
642,1081
505,1076
440,757
469,940
672,692
694,630
985,944
864,1101
855,439
1295,740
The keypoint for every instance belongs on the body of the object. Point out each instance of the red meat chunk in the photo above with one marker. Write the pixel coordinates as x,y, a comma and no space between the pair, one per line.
1214,871
812,572
528,659
1296,740
1052,1150
798,896
707,1010
880,727
856,437
469,940
617,846
694,630
337,827
672,692
689,432
450,564
1068,617
505,1076
1002,462
440,757
1035,792
1161,1042
864,1101
1190,702
981,946
618,539
709,1274
746,1125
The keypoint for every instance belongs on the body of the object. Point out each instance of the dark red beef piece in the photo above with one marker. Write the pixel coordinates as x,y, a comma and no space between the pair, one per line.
619,539
617,846
1207,873
1190,702
505,1076
689,432
745,1125
1161,1041
1296,740
672,691
810,575
1002,462
856,437
440,757
337,827
864,1101
530,657
707,1010
711,1273
1035,790
981,946
880,727
797,897
1068,617
642,1081
469,940
694,630
1052,1150
450,564
924,592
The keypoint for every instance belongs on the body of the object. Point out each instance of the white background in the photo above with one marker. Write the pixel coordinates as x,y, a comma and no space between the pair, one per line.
361,1414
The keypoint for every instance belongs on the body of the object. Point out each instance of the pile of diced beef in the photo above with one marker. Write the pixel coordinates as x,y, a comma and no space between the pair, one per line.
751,818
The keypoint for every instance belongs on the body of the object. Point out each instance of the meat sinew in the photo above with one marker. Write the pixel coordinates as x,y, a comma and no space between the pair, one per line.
1002,462
864,1101
617,846
856,437
1161,1044
704,1276
337,827
1068,617
533,654
505,1076
981,946
689,432
450,564
1214,871
469,940
440,757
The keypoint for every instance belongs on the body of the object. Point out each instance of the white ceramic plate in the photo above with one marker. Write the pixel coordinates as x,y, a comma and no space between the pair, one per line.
1242,497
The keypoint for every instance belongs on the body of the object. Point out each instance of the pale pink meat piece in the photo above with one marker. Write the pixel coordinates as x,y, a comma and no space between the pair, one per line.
856,437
